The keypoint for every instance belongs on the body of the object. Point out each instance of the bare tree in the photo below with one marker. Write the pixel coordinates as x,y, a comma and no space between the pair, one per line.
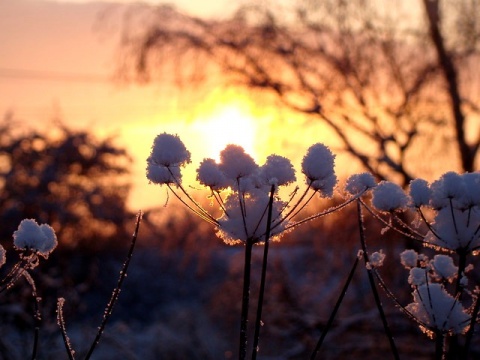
375,77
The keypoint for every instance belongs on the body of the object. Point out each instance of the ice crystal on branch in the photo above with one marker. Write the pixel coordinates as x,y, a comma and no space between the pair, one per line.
39,239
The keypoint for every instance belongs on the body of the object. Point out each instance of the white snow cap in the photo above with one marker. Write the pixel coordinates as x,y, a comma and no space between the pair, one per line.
209,174
418,276
444,268
277,169
438,310
235,163
420,192
376,259
409,258
358,183
450,187
318,167
168,150
159,174
388,196
34,237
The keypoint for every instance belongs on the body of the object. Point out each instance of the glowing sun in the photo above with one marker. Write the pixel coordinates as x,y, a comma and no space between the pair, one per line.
226,125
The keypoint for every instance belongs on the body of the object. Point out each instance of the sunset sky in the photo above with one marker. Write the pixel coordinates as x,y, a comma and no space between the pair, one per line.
57,60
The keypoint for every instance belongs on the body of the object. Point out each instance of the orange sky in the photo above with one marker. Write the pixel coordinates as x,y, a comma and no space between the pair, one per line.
55,62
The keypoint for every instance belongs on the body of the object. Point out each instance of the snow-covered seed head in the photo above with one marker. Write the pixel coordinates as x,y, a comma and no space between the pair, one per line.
159,174
169,150
277,170
235,163
409,258
472,187
210,175
247,220
30,236
449,188
389,197
376,259
434,307
3,257
418,276
358,183
318,167
419,192
444,268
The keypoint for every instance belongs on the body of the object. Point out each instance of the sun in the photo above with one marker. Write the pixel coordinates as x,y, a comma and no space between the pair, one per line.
223,126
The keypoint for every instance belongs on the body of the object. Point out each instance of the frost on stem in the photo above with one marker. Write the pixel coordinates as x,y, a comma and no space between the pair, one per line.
437,310
389,197
30,236
318,167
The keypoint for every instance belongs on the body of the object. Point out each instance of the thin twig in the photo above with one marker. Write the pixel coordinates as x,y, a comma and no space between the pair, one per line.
116,291
372,283
335,310
63,329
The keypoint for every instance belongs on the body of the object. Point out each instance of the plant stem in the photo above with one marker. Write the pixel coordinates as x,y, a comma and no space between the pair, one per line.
116,291
372,283
439,346
258,319
245,299
335,309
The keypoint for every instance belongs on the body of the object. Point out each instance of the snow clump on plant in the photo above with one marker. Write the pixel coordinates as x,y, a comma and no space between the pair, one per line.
167,155
30,236
318,167
389,197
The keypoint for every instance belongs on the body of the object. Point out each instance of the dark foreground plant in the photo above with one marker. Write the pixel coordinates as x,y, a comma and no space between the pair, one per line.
108,310
33,242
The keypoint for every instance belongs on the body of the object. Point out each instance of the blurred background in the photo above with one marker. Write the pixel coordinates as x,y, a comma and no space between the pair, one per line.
393,87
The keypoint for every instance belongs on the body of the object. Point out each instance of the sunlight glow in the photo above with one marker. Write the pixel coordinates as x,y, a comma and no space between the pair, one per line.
226,125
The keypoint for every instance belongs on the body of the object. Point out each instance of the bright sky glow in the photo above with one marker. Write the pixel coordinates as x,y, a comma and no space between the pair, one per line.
226,125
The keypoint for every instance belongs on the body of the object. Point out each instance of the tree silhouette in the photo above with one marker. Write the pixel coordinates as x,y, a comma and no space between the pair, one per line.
68,179
393,91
